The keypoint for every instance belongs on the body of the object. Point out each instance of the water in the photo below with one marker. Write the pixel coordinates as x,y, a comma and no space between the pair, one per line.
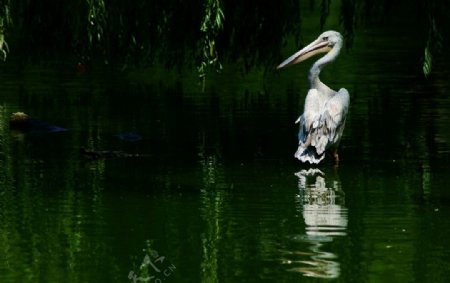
211,192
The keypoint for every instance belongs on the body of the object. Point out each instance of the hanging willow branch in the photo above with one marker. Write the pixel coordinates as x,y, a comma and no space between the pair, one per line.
434,45
97,20
5,21
211,26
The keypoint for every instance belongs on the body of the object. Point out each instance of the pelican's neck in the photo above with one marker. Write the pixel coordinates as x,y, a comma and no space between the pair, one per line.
314,73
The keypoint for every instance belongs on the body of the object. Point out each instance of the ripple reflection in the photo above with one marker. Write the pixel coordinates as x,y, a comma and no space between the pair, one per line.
321,203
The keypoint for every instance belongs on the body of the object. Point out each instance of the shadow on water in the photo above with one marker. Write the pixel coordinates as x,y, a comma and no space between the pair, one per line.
321,202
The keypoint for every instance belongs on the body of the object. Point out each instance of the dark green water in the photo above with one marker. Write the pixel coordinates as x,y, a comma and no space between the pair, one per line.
215,194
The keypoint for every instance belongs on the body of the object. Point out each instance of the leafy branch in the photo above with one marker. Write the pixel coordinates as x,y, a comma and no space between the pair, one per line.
5,21
211,26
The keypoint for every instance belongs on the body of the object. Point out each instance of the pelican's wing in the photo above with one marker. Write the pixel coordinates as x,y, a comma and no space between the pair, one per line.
333,117
310,118
310,124
321,126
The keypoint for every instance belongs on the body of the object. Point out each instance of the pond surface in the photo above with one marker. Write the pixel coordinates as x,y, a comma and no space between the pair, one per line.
210,191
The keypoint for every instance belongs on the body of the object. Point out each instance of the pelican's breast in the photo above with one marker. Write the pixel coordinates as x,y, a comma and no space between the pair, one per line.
312,108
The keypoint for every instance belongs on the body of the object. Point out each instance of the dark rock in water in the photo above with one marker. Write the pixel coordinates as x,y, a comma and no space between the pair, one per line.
128,136
22,122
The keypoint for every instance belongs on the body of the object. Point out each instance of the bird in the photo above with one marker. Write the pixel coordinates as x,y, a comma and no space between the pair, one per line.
323,120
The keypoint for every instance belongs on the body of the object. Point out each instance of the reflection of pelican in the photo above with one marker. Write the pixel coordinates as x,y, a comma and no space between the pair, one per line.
323,209
325,216
323,119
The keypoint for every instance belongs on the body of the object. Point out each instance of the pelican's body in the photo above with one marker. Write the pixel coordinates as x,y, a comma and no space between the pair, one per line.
323,120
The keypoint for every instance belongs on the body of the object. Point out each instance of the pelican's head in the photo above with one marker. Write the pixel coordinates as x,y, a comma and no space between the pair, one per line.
323,44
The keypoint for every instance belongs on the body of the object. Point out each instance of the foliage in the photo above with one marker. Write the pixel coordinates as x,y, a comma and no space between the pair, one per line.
433,46
211,26
203,33
348,15
434,43
97,21
5,21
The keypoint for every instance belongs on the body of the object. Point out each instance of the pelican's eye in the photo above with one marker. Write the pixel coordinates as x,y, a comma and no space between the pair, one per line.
325,38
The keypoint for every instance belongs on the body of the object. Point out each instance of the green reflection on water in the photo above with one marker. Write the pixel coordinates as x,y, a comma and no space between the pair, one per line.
52,215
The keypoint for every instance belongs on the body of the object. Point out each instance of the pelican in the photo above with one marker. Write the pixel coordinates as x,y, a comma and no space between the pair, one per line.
323,119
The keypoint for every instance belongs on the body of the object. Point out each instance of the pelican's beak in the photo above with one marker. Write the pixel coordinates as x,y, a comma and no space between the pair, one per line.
315,47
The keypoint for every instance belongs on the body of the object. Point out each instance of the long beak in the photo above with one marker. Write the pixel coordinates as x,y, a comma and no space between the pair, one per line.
315,47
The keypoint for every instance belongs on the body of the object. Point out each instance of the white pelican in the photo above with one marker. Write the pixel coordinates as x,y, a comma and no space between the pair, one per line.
323,118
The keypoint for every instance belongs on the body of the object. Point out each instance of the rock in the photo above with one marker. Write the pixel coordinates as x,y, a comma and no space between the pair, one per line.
22,122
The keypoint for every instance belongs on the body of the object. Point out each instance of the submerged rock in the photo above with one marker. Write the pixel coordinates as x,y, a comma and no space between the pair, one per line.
22,122
129,136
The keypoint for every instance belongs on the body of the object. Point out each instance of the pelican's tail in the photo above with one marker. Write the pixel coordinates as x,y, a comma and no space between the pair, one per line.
308,154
